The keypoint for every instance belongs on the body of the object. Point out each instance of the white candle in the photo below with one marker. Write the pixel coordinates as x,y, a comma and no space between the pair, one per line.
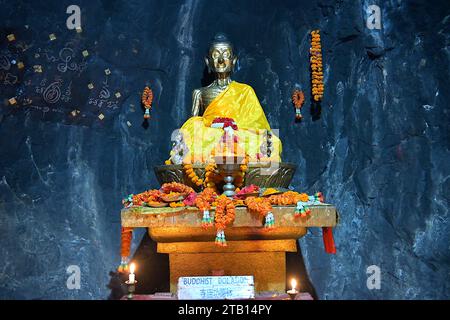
131,276
293,284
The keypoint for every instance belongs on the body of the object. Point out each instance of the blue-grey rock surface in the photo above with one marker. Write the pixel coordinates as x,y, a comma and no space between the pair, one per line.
379,150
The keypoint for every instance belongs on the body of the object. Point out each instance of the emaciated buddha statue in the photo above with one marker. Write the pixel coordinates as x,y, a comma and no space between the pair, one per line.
218,109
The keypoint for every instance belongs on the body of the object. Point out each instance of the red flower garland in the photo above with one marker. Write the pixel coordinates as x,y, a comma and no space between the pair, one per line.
227,122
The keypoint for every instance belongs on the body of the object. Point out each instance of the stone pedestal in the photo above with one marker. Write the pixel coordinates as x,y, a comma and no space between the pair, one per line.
263,259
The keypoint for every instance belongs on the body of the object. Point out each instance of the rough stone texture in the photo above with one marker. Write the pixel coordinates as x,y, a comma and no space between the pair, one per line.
379,151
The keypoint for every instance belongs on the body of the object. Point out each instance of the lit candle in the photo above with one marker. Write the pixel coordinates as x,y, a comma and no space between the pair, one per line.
293,291
294,284
131,276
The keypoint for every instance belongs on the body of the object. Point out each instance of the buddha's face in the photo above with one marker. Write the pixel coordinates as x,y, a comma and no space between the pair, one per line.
221,58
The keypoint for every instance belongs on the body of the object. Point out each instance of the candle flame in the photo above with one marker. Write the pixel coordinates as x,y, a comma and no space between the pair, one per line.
132,267
293,284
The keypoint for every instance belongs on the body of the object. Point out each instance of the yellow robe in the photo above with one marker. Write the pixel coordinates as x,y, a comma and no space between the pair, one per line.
240,103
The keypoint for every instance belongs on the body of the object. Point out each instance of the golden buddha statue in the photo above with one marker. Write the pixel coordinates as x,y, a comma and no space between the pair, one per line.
225,109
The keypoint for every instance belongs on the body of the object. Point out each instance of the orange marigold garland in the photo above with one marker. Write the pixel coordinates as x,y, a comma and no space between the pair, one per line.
176,187
288,198
224,215
147,99
315,51
189,171
263,208
141,199
177,204
125,246
203,202
239,181
210,171
298,98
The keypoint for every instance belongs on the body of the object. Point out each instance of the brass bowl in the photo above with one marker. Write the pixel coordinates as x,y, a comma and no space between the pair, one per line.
260,174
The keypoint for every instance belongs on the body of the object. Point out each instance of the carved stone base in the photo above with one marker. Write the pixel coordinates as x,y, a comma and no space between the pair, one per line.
263,259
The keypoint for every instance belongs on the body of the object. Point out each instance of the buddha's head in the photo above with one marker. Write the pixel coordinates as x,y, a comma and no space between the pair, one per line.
221,58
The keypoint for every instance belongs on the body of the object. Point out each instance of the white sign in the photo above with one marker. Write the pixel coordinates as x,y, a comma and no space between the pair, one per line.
216,288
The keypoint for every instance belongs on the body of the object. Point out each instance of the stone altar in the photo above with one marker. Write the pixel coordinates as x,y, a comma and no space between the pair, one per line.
251,249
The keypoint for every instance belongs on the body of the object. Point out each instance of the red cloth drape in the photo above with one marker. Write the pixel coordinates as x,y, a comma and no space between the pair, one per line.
328,241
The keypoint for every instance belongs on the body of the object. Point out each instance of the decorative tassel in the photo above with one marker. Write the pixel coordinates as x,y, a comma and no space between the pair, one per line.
123,268
147,114
317,197
269,221
298,209
302,210
328,241
128,201
220,238
206,220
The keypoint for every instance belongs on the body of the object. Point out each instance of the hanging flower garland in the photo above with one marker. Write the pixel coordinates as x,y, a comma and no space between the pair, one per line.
147,99
263,208
298,98
210,171
239,181
224,216
125,247
315,51
189,171
203,202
